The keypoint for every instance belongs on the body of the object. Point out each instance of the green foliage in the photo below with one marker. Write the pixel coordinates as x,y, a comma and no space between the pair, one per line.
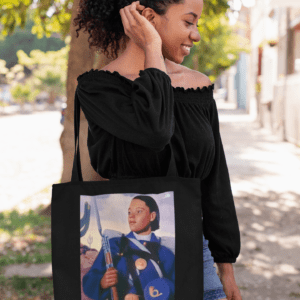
25,238
23,93
39,58
13,13
3,69
3,103
49,71
3,73
13,222
218,48
25,40
16,73
31,286
214,7
24,288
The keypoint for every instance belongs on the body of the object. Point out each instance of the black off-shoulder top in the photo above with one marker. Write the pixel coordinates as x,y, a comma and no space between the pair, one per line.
132,122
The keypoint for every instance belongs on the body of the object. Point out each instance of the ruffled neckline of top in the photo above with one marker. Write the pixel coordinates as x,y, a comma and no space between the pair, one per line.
95,72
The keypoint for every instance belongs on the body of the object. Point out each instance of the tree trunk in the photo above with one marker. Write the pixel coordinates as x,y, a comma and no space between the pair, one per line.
51,98
78,63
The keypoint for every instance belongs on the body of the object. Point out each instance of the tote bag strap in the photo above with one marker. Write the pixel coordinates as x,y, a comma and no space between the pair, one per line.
76,171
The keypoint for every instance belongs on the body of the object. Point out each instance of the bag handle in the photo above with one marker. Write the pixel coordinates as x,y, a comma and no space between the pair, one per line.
76,171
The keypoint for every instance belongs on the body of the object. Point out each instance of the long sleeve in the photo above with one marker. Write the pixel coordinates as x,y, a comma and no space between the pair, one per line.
220,224
140,112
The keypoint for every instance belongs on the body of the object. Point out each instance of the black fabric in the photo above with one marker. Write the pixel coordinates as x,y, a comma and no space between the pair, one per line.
65,231
132,115
130,124
65,226
132,270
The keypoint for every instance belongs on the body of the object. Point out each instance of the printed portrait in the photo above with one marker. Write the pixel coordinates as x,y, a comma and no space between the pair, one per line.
127,246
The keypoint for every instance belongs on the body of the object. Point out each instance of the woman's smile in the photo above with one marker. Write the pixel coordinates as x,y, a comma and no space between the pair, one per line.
186,49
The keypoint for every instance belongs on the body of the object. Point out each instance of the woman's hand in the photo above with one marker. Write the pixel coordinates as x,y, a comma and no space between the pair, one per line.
131,297
138,28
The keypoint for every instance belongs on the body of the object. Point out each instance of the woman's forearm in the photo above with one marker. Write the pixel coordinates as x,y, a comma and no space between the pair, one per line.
225,268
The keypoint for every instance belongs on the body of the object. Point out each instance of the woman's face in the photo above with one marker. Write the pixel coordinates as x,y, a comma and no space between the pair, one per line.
175,30
139,216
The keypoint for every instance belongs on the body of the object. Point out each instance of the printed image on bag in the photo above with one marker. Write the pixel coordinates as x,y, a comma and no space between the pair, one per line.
127,246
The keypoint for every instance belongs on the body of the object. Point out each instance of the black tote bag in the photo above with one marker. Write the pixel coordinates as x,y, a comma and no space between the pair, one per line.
148,229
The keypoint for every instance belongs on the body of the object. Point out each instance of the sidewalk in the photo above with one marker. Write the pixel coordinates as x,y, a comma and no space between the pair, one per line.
28,108
265,176
258,161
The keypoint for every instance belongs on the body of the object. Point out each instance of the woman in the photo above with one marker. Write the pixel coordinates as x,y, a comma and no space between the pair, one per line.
139,251
128,134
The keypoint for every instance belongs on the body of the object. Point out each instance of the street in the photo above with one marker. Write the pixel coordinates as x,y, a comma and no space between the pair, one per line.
264,175
31,158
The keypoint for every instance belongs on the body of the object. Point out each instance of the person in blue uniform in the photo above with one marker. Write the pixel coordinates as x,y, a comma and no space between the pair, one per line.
144,269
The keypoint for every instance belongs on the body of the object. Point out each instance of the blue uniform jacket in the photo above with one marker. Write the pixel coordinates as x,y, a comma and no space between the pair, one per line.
91,280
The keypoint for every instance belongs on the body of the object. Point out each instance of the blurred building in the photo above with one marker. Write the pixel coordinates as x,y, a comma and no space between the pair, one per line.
235,79
243,66
275,76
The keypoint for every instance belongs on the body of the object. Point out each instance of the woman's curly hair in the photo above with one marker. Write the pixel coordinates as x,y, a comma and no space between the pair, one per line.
102,20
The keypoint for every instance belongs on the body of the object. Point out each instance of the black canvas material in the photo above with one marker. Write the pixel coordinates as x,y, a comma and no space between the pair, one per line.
65,227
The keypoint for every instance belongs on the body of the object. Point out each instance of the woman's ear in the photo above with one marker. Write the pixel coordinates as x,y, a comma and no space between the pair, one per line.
149,14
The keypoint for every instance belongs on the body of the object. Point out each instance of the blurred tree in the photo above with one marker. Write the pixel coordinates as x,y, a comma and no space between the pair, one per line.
14,74
48,70
23,93
27,41
51,80
3,71
22,90
49,16
2,104
219,47
7,76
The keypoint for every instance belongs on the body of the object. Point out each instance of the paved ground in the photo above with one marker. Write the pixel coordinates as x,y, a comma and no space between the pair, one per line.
265,181
264,175
31,158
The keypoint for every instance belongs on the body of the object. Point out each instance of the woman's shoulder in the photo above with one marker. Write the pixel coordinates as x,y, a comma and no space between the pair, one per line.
192,78
200,78
182,77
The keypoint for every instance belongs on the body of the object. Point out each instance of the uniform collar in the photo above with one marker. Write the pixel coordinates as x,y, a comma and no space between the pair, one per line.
143,237
153,238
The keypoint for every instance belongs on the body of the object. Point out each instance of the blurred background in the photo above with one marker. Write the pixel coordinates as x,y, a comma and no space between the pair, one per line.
250,49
